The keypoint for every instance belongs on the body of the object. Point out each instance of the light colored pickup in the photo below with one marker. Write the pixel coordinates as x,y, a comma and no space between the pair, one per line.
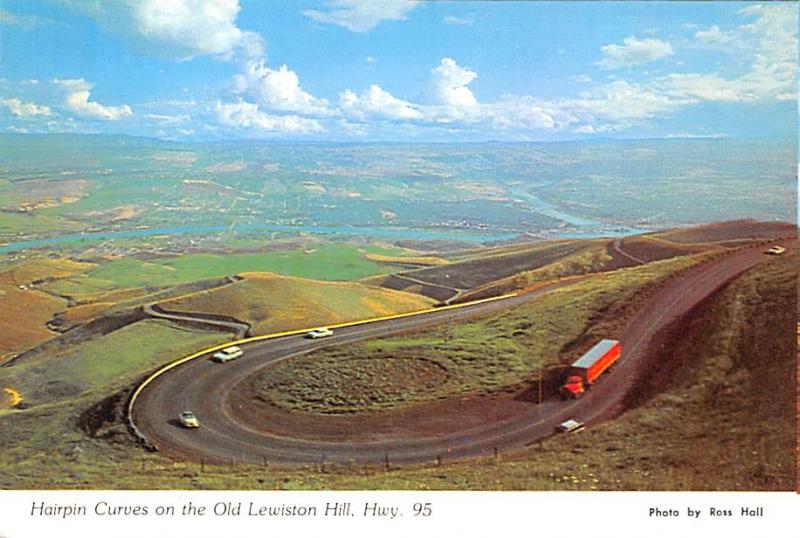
322,332
569,426
228,354
775,251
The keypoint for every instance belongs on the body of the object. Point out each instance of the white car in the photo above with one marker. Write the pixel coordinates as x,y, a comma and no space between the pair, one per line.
322,332
775,251
188,420
569,426
228,354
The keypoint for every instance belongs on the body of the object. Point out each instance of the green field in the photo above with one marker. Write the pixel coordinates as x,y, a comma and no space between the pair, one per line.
323,261
12,224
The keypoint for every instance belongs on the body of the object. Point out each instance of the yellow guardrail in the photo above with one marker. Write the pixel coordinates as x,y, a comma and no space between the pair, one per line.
271,336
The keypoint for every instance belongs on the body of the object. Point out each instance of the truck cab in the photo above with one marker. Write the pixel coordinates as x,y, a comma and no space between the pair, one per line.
573,387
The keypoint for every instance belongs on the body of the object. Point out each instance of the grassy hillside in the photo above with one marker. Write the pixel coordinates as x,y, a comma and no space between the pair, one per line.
106,363
323,261
271,302
25,311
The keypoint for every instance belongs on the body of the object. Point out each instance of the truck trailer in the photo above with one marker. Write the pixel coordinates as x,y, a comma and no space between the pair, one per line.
585,371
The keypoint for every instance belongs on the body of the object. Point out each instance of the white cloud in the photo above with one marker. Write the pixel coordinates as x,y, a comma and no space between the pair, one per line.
167,120
244,115
713,36
699,86
633,52
768,43
446,99
457,21
585,129
523,113
773,33
278,89
25,110
77,100
621,101
449,101
448,85
370,60
361,15
176,28
378,103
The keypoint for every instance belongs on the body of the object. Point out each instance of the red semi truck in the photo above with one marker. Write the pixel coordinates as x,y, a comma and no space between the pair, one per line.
585,371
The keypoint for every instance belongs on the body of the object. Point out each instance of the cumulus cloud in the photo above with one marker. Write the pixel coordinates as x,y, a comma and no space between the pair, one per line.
244,115
446,98
378,103
361,15
699,86
773,32
622,101
768,42
277,89
178,28
448,85
633,52
185,29
25,110
523,113
77,100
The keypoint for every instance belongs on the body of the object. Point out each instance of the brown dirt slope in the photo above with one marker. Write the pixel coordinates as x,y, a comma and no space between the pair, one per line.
649,249
730,231
476,272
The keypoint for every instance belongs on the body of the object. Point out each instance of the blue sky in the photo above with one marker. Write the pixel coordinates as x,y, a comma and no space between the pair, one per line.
357,70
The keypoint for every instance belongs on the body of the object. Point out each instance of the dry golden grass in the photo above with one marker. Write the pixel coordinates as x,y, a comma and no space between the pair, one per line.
38,269
85,313
271,302
407,260
25,311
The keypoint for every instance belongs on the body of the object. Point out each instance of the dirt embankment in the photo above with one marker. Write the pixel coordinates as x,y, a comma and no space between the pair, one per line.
735,230
474,273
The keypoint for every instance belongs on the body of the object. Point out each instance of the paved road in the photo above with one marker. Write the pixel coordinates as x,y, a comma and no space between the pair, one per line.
238,328
204,387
